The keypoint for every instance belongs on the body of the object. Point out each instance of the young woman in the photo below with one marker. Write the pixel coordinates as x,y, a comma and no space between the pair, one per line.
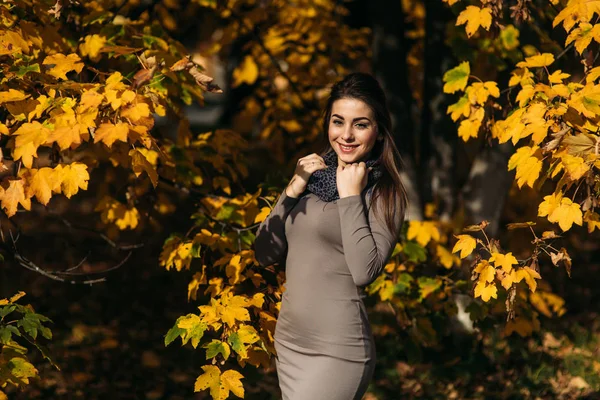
335,226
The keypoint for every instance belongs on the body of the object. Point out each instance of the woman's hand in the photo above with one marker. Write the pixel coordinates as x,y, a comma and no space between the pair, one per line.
305,167
352,179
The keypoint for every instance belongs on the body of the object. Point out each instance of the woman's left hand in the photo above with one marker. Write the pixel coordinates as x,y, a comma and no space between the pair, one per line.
352,179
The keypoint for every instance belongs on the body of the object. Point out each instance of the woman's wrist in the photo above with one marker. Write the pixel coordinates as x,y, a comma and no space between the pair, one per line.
291,193
342,196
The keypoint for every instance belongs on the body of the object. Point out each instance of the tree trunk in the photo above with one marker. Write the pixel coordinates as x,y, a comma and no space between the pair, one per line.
389,67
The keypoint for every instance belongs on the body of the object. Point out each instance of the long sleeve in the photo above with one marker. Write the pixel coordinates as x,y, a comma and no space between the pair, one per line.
368,242
270,245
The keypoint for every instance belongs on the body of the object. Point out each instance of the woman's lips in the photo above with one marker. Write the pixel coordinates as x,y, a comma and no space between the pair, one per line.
347,148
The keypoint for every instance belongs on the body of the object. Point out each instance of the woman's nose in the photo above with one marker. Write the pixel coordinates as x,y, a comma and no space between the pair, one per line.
347,134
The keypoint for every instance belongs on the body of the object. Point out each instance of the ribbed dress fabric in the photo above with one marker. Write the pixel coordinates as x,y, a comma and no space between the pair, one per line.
332,250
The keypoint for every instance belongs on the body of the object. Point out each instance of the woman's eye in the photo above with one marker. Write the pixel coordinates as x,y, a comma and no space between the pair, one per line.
361,126
337,122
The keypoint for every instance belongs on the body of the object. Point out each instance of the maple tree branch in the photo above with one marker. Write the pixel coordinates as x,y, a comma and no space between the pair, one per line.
70,225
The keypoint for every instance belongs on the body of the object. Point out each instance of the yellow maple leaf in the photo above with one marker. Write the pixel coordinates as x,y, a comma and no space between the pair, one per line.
462,108
586,100
198,279
469,128
91,46
550,203
509,129
89,99
466,244
176,253
576,11
220,384
456,78
558,76
537,61
593,220
246,72
61,64
258,299
210,314
135,112
548,303
527,164
504,261
508,279
41,183
248,334
233,309
521,76
575,166
108,133
475,17
479,92
262,215
423,232
73,177
446,258
44,102
234,269
115,82
11,42
486,291
14,195
522,326
529,275
487,272
139,164
29,137
592,75
66,131
566,214
12,95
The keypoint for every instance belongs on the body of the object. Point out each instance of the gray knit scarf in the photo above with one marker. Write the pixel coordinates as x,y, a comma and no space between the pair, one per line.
323,182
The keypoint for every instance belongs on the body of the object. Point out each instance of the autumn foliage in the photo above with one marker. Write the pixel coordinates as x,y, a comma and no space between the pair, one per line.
84,84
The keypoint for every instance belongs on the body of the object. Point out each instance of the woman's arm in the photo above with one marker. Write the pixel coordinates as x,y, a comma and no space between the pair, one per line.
368,242
270,245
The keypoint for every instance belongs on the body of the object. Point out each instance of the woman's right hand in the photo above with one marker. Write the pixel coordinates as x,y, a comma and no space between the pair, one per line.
305,167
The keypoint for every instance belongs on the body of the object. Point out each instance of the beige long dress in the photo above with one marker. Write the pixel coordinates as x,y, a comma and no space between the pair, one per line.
323,339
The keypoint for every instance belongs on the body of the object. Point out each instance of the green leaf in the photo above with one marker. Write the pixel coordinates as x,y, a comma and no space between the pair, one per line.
21,370
225,212
5,310
6,333
195,334
195,252
23,70
403,284
509,37
215,347
174,333
236,343
427,286
414,251
457,78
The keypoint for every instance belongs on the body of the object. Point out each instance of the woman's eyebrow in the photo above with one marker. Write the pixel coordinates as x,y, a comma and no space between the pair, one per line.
354,120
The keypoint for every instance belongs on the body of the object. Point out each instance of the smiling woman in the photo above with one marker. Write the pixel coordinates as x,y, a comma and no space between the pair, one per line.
335,226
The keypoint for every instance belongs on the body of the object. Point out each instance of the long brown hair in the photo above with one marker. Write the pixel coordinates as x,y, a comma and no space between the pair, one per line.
389,194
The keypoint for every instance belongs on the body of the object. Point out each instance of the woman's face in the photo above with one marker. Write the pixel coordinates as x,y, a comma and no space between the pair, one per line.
352,130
